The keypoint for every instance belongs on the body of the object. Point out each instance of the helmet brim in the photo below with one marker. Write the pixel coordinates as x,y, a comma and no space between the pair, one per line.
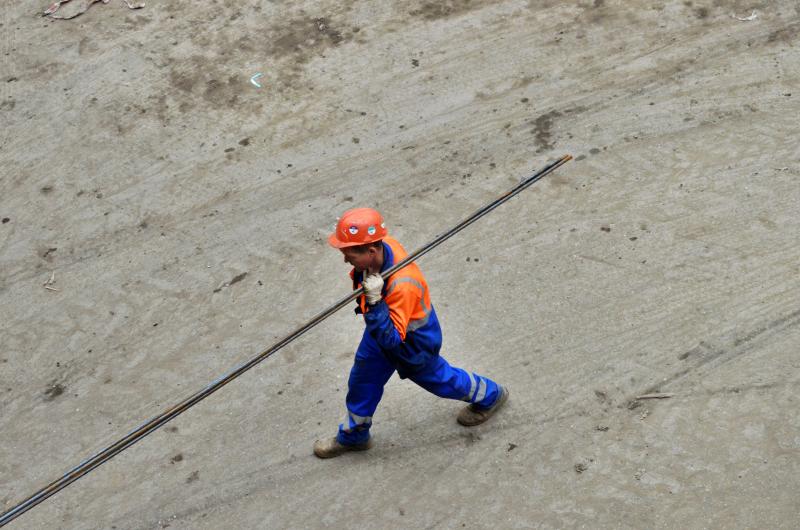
336,243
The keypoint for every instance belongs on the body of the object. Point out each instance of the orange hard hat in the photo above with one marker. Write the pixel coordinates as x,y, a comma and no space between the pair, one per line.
358,226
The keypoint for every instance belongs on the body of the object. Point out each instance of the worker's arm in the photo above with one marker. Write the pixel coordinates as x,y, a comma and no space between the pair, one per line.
387,322
387,319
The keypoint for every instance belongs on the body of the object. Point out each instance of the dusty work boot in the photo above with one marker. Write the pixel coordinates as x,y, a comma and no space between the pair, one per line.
472,414
331,447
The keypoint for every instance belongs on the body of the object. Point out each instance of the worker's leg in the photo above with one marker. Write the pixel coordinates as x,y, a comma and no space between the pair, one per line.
455,383
368,376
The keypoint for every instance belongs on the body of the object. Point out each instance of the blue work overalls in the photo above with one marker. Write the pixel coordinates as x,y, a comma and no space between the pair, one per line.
403,334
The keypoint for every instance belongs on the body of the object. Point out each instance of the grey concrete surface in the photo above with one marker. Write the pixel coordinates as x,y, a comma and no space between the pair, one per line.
143,170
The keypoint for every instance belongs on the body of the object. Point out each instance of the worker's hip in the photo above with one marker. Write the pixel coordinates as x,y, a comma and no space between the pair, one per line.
417,353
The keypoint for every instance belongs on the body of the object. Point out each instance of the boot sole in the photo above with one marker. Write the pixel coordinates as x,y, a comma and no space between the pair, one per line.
345,449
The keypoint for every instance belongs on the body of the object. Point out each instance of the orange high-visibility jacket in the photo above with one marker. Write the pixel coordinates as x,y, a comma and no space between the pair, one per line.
403,323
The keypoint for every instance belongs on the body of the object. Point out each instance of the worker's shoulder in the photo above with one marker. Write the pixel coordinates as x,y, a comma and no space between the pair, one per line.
397,248
409,278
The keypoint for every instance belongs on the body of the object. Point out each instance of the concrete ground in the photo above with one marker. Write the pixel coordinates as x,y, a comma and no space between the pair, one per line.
181,212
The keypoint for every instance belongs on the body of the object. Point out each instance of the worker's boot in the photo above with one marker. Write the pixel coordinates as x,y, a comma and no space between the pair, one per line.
472,414
331,447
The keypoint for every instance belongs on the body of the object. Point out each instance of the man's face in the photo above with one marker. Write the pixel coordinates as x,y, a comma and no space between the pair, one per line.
360,260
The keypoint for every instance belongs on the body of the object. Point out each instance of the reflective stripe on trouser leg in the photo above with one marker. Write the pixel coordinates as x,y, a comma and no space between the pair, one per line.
455,383
368,375
354,421
473,387
480,393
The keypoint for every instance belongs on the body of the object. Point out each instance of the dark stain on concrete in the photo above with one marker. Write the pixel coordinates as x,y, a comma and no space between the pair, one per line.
447,8
203,78
183,82
304,38
542,129
176,458
53,391
195,476
784,35
559,180
523,81
222,92
83,45
470,438
236,279
334,36
575,110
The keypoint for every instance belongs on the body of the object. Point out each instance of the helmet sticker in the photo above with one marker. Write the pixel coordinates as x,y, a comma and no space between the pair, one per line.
383,225
353,230
371,230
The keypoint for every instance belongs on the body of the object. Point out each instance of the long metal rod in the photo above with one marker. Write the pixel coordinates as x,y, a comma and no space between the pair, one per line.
151,425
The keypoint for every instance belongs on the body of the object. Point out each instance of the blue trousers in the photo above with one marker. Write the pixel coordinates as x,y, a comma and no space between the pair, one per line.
371,371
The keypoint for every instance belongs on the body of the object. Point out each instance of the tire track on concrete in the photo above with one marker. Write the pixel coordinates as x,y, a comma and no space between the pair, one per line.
709,357
601,364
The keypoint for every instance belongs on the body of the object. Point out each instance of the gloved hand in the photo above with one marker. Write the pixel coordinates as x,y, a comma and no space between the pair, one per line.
373,284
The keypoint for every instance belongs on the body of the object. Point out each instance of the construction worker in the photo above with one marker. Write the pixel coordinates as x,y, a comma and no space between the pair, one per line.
402,333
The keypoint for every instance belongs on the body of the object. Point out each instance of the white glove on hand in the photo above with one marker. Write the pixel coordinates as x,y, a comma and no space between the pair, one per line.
373,284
